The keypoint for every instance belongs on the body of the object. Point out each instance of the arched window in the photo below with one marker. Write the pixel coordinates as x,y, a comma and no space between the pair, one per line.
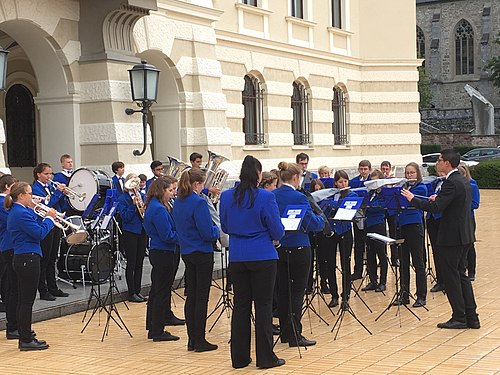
253,121
464,48
339,126
420,43
300,122
20,126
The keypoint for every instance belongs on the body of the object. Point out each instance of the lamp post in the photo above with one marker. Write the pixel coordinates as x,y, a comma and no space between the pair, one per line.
3,67
144,84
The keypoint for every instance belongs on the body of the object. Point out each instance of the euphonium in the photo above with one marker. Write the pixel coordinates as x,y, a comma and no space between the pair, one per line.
176,167
133,184
216,177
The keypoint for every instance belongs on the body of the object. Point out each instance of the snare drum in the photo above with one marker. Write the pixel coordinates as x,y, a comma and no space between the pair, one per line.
77,236
96,262
84,180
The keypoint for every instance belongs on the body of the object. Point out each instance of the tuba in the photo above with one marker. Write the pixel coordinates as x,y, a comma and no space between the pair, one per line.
216,177
176,167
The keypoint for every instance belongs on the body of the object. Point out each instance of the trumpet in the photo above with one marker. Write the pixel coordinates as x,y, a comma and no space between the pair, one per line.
39,198
70,193
133,184
42,210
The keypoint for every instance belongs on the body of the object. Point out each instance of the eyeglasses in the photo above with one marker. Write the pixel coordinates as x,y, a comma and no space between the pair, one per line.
159,169
439,160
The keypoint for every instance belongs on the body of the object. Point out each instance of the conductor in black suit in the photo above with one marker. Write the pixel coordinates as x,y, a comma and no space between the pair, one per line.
455,235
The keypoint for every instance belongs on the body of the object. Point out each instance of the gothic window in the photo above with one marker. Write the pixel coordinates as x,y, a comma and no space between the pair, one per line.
20,125
297,8
250,2
337,13
300,122
420,43
339,126
253,126
464,48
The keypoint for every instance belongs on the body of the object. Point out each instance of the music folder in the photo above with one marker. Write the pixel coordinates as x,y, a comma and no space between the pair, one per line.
348,209
292,216
384,239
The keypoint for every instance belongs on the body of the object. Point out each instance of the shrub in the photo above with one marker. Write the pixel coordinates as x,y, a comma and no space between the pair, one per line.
487,174
429,149
431,170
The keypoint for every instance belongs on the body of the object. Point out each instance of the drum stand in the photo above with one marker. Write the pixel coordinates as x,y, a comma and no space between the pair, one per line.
224,301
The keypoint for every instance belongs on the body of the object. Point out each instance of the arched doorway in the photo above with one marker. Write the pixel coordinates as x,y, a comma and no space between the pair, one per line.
20,127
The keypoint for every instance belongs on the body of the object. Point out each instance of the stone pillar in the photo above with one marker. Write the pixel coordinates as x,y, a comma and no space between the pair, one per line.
3,164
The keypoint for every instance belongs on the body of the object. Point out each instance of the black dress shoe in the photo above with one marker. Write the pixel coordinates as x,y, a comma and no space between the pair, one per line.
12,335
370,286
437,288
190,345
401,301
175,321
47,296
452,324
245,364
474,324
205,347
302,341
278,362
165,336
420,302
356,276
380,288
276,330
472,277
58,293
141,296
135,298
33,345
325,289
334,302
41,342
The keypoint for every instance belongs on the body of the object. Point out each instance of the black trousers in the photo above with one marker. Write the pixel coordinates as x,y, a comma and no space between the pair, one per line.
376,249
293,269
413,234
27,268
252,282
432,230
199,269
458,286
11,290
318,254
135,251
50,250
162,277
359,249
343,243
471,255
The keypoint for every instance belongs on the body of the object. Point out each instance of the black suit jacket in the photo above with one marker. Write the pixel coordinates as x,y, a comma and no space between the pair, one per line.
454,202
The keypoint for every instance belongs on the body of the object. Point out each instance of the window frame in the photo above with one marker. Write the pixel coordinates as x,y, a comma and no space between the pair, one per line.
252,98
300,109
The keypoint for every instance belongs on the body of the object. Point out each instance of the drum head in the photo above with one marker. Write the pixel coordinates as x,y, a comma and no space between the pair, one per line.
82,181
78,237
101,262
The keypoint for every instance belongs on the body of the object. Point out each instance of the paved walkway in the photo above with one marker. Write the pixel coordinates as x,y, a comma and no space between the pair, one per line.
400,344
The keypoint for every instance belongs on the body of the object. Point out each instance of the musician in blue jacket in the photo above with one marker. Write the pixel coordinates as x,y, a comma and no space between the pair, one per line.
26,234
160,227
196,233
364,169
341,240
294,256
42,187
412,231
251,218
63,177
375,223
134,238
7,253
157,168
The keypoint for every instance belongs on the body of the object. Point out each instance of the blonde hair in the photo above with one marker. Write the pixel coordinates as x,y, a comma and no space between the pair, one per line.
324,168
188,178
288,170
15,190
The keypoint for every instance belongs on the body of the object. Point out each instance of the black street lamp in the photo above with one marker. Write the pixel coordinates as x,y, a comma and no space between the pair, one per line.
3,68
144,84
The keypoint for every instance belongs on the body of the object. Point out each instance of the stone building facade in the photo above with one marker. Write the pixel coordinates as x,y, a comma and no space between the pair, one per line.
457,39
268,78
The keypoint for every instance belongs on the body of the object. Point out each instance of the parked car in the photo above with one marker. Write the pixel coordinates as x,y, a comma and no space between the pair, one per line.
431,159
480,154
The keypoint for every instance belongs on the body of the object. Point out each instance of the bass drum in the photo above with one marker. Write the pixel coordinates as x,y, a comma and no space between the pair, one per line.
84,180
89,263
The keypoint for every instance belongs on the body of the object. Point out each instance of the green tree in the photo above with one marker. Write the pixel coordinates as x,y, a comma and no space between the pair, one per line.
424,88
494,67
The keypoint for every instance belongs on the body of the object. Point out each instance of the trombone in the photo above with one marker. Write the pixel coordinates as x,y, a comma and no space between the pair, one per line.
42,210
70,193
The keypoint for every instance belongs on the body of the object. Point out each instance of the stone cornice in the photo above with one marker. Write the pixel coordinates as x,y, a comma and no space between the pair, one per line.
183,11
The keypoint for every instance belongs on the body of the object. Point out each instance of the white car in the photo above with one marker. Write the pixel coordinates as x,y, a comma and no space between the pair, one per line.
431,159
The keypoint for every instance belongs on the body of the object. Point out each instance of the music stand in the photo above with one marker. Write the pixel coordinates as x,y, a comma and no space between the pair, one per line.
224,301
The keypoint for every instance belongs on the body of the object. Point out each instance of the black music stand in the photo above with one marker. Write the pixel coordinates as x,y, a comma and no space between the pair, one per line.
224,303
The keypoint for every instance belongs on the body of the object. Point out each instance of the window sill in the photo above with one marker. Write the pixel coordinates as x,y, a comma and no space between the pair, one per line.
302,147
251,9
300,21
255,148
335,30
341,147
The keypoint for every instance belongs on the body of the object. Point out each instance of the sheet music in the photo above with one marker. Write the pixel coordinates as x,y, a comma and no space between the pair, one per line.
381,238
348,209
